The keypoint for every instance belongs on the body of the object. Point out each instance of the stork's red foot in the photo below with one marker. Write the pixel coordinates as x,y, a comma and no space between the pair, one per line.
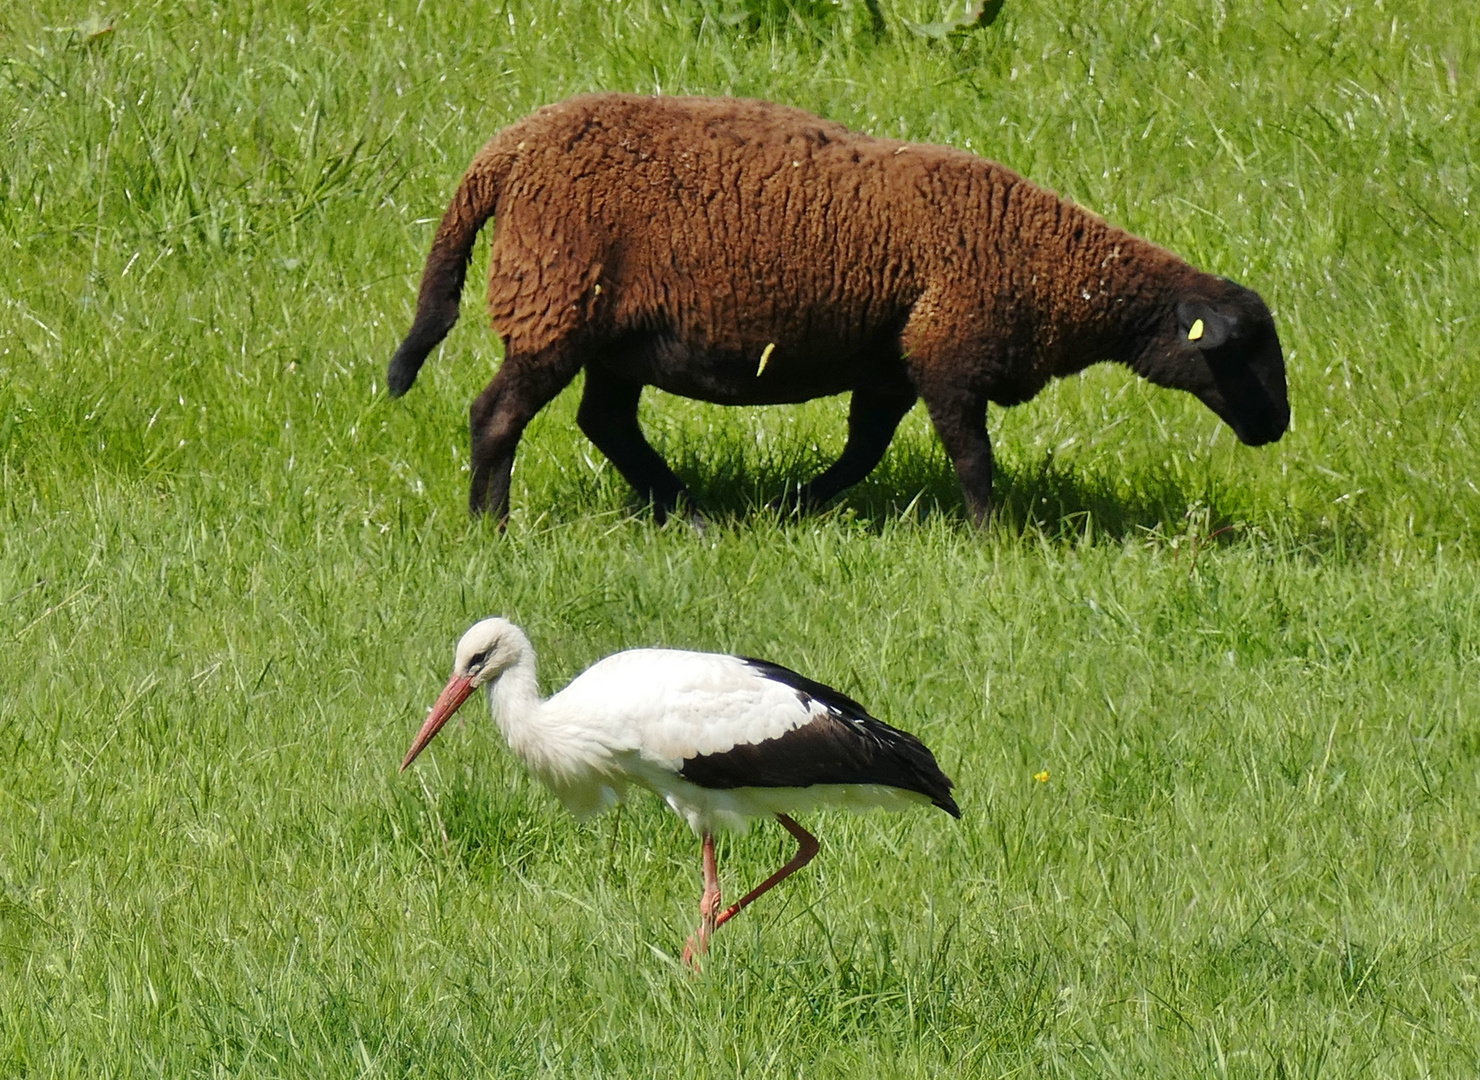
698,944
691,953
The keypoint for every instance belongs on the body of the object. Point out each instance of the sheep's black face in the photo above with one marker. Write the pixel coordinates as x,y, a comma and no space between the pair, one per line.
1224,349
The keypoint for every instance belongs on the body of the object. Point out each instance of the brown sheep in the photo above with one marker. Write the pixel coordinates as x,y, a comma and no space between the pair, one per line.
747,253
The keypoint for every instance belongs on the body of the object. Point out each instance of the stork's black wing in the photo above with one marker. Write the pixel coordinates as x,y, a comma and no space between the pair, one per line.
842,745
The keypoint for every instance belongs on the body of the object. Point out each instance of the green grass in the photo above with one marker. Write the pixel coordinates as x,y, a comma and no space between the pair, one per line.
231,573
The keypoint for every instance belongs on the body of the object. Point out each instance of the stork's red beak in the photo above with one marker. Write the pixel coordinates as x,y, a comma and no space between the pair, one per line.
453,695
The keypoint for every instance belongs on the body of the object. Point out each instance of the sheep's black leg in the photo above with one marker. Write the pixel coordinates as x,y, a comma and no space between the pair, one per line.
523,386
608,416
872,420
961,422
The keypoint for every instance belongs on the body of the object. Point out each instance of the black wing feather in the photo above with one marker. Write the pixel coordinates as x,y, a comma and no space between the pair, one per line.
845,745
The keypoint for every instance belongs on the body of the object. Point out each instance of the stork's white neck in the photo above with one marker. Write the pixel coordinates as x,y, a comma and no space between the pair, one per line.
514,700
555,752
558,748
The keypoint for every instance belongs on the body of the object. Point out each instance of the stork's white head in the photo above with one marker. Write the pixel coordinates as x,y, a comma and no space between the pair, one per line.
489,648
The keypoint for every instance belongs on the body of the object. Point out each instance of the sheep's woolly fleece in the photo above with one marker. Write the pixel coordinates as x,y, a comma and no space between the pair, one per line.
744,252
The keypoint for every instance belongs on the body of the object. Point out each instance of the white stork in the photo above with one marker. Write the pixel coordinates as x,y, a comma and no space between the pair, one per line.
721,738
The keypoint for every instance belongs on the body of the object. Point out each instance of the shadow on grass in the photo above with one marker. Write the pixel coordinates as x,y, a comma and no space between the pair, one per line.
1047,498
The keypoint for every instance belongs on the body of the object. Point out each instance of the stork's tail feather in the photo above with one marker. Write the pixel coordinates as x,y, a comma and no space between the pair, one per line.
447,264
930,781
948,804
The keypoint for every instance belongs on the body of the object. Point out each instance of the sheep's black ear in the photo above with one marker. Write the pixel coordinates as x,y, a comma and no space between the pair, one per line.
1203,325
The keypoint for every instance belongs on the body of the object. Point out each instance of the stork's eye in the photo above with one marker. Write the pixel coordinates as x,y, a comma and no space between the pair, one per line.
477,661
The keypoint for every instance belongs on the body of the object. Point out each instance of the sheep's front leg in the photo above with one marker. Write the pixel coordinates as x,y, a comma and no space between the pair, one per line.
960,420
955,355
608,416
524,385
872,421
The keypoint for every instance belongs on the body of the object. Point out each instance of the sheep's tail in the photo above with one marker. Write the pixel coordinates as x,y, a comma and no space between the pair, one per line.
447,264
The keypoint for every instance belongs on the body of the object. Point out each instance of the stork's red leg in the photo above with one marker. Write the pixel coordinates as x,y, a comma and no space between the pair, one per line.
698,945
807,848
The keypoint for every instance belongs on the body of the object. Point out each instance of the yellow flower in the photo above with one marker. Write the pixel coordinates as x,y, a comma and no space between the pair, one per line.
1041,777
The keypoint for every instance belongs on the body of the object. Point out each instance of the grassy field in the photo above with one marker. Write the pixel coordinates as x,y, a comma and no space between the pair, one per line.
231,573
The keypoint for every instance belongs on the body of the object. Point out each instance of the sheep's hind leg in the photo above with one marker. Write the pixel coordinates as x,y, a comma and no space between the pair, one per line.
872,421
524,385
608,416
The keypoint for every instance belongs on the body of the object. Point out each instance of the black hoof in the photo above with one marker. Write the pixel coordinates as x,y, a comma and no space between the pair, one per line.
662,510
792,504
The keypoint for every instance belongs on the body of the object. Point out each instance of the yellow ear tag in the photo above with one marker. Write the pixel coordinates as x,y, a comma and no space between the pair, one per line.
765,355
1196,332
